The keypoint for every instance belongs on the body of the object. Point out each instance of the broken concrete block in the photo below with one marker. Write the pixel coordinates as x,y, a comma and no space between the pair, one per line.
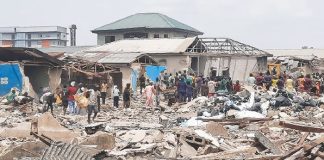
22,130
164,120
102,141
187,150
28,149
50,127
93,128
284,115
134,136
170,138
207,150
216,129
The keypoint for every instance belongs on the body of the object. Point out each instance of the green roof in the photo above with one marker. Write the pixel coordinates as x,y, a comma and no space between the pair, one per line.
146,20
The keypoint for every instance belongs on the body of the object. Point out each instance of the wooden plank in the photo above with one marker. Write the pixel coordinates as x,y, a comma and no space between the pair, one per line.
234,120
301,127
244,153
307,147
267,143
302,139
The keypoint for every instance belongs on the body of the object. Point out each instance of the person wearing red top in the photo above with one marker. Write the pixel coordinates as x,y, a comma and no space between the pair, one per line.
259,80
237,87
71,101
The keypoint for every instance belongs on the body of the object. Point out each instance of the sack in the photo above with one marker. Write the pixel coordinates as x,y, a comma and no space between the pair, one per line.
83,102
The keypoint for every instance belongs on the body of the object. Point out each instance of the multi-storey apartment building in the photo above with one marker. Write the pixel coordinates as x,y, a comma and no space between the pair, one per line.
34,36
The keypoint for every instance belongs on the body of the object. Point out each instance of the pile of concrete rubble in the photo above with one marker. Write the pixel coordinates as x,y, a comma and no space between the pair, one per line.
252,124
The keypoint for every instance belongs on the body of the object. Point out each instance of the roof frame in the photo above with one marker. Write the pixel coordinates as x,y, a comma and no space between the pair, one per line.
224,46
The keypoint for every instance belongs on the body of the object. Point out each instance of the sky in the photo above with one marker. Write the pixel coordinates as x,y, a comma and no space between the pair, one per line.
265,24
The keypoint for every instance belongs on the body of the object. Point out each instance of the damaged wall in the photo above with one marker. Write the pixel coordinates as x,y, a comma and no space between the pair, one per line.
55,78
38,77
173,63
239,67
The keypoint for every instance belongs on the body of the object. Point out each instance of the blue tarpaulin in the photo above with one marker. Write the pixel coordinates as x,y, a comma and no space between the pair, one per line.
153,72
134,76
10,77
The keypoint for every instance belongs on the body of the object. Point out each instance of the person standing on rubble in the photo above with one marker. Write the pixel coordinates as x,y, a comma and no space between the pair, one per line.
274,82
142,83
116,96
64,96
237,87
126,96
259,79
199,83
103,93
189,91
72,90
301,83
289,84
211,88
251,80
92,96
281,83
182,89
149,93
171,80
307,83
204,88
267,80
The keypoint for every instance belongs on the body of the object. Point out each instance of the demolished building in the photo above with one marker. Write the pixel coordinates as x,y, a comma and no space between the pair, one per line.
301,64
304,60
28,70
207,56
128,65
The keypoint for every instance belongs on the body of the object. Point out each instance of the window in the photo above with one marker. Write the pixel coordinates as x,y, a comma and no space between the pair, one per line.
156,36
166,36
136,35
39,42
109,39
40,35
13,36
28,43
58,35
28,36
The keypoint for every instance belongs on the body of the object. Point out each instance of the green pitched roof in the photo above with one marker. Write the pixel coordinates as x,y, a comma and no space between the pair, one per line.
146,20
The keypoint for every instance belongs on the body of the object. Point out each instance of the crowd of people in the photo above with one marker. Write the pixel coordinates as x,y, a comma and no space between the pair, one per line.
311,84
83,100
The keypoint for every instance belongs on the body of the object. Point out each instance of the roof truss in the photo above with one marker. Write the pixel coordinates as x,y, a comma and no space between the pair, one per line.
224,46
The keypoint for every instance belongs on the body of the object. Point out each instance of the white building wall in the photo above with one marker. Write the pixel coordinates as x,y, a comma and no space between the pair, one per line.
120,35
173,63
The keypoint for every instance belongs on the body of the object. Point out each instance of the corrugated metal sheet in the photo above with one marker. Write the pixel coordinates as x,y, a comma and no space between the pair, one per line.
120,58
146,20
178,45
65,49
108,57
64,151
301,53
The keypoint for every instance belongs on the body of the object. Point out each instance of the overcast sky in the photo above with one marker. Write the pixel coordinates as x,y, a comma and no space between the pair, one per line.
262,23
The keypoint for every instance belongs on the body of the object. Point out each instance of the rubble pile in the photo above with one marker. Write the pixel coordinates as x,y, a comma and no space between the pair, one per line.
252,124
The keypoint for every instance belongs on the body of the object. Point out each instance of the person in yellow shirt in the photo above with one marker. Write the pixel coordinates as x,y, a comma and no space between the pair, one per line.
274,81
289,84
